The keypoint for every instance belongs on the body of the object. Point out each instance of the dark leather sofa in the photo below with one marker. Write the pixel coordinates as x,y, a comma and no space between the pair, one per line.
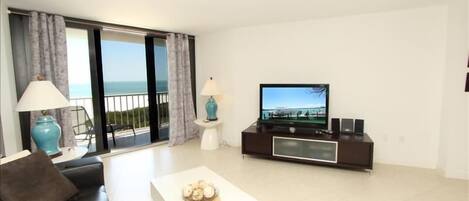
88,176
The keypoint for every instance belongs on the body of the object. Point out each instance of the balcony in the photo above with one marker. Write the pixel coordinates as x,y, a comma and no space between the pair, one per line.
127,115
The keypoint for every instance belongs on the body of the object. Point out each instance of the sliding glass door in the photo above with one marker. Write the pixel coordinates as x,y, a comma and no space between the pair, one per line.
125,89
135,75
118,87
80,88
83,87
161,68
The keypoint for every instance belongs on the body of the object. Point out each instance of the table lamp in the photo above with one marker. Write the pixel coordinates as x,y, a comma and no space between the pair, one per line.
42,95
211,89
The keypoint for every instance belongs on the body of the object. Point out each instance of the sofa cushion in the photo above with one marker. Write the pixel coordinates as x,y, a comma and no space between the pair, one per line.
83,173
34,178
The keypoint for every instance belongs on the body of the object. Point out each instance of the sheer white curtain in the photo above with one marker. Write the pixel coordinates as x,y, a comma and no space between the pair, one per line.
10,129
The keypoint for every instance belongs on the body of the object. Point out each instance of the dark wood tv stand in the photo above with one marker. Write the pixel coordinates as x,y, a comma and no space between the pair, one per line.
347,151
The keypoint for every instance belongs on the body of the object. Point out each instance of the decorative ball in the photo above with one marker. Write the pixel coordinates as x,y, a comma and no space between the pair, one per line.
199,191
197,195
209,192
187,191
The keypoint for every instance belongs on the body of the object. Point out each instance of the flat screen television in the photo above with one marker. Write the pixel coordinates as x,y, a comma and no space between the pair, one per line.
296,105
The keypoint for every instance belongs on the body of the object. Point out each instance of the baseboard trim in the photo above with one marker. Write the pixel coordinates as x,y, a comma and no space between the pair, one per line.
456,174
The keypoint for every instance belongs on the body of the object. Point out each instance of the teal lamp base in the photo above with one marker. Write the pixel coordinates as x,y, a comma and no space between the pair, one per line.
211,107
46,134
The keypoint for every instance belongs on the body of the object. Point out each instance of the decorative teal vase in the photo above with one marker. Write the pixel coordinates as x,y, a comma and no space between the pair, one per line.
211,108
46,134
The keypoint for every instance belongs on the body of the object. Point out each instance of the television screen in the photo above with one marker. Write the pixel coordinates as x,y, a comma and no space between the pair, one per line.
301,104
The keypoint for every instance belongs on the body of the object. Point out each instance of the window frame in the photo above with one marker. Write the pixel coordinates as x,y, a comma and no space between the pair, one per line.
94,29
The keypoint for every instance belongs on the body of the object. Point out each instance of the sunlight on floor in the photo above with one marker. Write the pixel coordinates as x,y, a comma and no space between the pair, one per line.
128,177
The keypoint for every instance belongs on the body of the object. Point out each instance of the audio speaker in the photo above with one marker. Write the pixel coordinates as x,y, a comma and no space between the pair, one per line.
335,125
359,126
347,126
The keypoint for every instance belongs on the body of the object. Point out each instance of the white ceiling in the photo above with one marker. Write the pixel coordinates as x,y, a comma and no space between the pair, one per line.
198,16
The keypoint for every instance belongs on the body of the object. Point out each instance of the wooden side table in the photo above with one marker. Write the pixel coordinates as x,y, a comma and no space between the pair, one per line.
210,134
70,153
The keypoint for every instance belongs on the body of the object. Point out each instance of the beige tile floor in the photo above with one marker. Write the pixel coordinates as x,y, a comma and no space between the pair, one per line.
128,177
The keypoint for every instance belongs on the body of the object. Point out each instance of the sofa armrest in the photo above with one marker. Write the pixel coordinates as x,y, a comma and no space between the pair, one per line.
84,173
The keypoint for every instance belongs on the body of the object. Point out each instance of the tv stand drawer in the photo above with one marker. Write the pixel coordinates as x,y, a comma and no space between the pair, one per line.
305,149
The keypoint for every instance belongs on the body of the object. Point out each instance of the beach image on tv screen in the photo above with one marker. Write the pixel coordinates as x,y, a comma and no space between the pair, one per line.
294,104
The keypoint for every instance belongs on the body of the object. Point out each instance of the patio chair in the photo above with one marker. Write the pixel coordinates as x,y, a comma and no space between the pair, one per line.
83,125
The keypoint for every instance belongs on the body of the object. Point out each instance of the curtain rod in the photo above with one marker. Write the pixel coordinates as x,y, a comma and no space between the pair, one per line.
102,25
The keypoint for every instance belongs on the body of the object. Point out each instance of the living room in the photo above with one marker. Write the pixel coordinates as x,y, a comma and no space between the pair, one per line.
393,77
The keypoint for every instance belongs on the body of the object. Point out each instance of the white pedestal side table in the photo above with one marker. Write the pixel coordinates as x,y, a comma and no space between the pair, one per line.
70,153
210,134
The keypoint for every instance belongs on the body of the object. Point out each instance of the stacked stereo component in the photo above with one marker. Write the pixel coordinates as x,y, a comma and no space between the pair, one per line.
347,126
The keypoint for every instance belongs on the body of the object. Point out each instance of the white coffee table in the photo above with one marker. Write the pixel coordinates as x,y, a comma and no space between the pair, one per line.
70,153
169,187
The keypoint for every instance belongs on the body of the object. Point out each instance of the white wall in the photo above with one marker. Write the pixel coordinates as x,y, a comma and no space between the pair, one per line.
10,120
384,67
454,131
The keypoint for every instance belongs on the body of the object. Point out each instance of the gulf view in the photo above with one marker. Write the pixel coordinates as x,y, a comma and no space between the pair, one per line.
117,88
125,88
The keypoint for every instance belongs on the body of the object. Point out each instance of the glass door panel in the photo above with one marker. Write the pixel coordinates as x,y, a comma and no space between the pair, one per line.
161,70
125,89
79,78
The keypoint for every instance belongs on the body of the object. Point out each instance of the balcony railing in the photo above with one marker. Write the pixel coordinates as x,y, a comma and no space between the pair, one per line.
129,109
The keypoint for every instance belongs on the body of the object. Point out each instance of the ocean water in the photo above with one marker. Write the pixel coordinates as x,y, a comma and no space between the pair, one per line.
116,88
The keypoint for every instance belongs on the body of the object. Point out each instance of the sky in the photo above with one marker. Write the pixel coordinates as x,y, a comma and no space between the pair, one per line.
291,97
125,61
122,61
78,56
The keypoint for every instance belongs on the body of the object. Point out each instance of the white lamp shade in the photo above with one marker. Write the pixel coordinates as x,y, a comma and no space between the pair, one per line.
41,95
210,88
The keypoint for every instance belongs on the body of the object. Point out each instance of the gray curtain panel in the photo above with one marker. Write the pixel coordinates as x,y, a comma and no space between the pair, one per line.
21,49
2,145
40,48
181,105
49,58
